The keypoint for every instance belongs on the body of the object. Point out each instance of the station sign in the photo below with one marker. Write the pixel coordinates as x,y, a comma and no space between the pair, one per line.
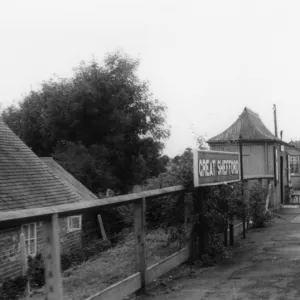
216,167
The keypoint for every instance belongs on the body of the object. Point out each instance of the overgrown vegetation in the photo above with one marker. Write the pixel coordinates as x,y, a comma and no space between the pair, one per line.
13,289
36,267
257,205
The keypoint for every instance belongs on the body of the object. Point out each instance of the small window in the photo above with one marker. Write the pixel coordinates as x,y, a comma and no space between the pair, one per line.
294,164
74,223
29,231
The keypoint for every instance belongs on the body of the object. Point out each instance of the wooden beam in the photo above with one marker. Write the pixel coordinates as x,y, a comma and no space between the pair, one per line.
52,259
167,264
264,176
131,284
77,207
103,233
139,228
119,290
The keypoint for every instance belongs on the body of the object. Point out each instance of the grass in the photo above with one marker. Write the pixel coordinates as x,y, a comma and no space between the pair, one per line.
113,265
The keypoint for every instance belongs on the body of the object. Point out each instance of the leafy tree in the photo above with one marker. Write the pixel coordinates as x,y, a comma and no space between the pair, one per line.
103,124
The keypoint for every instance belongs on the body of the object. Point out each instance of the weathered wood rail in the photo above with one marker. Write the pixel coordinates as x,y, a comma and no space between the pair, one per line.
49,217
144,275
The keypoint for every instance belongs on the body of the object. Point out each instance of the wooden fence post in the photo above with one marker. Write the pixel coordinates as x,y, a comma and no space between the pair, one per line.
139,226
52,259
24,263
247,195
103,233
226,235
186,210
231,232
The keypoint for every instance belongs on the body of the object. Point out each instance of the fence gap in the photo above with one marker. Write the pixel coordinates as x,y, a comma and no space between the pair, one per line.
139,228
52,259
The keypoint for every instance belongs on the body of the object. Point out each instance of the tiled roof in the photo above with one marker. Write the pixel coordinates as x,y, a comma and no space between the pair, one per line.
73,184
25,181
249,126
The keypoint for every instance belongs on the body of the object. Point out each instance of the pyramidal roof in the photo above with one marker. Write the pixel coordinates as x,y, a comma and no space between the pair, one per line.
249,127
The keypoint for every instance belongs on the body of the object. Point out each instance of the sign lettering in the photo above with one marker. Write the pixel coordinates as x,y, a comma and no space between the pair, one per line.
215,167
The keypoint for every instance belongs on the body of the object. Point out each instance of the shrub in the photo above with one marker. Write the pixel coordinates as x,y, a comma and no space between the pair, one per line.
78,256
13,289
257,205
36,271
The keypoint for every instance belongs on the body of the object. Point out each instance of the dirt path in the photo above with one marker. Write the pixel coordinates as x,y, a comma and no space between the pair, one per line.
266,266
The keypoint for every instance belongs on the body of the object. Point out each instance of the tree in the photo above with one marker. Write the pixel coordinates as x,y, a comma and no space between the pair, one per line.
104,115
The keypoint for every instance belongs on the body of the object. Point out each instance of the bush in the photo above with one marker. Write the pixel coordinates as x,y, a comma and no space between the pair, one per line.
13,289
257,205
36,271
78,256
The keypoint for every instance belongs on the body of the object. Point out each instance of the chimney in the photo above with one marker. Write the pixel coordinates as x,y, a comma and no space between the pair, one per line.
281,133
275,120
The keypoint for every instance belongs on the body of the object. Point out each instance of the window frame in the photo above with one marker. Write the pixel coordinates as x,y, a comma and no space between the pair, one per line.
291,159
70,224
29,238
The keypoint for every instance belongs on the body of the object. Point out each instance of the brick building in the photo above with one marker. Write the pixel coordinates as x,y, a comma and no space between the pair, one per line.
27,182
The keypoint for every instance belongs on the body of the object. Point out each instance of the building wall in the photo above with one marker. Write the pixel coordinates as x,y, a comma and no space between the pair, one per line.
258,159
295,179
10,264
255,157
69,240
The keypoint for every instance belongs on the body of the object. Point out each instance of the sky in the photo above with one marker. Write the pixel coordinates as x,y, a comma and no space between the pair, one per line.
206,60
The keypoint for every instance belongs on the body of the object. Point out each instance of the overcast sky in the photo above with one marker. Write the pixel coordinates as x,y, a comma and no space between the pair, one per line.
206,60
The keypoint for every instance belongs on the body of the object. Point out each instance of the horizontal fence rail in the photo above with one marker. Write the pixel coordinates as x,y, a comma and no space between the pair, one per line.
78,207
143,274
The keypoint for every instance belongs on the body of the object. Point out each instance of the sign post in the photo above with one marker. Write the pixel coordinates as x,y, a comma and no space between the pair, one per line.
213,168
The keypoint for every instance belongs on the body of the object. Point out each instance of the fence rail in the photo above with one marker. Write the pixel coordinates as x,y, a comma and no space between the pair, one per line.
77,207
143,275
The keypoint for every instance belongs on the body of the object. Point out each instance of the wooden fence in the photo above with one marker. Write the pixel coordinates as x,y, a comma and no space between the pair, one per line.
49,217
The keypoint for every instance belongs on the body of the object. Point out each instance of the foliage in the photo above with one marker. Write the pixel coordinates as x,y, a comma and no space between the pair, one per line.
257,205
224,203
102,124
13,289
36,271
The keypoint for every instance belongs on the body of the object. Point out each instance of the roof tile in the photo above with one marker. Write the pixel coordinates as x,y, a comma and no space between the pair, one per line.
25,181
249,127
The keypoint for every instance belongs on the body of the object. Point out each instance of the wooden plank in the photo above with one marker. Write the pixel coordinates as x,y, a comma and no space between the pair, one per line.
131,284
139,228
217,183
52,259
119,290
78,207
264,176
167,264
103,233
